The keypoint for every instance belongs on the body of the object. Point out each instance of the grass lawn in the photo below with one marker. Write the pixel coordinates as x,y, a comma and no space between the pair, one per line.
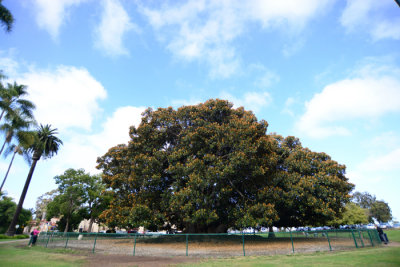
20,255
383,256
393,235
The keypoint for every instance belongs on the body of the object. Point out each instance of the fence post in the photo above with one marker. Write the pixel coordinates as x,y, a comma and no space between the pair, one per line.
48,240
244,252
94,244
134,246
187,241
354,238
361,238
329,242
291,239
66,242
370,238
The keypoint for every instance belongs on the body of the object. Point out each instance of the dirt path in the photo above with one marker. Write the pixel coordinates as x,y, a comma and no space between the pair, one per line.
392,244
15,241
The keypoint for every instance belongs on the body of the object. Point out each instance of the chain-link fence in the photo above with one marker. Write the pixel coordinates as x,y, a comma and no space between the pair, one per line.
212,245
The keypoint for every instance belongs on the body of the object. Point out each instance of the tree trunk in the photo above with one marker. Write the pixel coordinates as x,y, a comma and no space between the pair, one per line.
11,228
66,226
8,170
2,147
271,232
1,116
90,224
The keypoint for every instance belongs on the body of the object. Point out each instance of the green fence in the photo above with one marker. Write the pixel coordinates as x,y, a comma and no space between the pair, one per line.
212,245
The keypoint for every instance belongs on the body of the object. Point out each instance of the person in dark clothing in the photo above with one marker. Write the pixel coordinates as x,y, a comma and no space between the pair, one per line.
382,235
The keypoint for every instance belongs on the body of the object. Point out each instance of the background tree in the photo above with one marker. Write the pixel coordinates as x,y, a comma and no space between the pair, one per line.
364,200
6,18
377,209
46,145
353,214
71,196
97,200
380,210
209,167
80,196
42,202
7,210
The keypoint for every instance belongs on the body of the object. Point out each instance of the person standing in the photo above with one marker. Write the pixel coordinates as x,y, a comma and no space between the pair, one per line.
382,235
34,236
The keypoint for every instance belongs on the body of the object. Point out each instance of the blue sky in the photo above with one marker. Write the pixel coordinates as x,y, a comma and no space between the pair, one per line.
326,71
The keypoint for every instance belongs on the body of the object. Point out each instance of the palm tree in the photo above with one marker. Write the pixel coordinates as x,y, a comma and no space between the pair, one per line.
11,99
16,126
25,140
6,18
46,144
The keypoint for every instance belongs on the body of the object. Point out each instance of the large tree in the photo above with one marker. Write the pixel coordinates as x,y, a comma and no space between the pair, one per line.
209,167
46,145
308,188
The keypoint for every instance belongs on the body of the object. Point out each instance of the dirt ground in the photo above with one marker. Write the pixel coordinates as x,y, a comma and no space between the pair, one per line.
147,261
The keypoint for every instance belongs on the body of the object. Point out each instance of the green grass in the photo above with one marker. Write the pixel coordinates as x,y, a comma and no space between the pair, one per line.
393,235
23,256
382,256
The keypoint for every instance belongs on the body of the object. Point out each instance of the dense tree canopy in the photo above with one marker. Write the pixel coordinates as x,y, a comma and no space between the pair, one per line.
7,210
353,214
78,196
209,167
309,188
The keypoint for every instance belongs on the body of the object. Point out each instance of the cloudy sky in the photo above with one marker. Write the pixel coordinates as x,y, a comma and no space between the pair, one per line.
326,71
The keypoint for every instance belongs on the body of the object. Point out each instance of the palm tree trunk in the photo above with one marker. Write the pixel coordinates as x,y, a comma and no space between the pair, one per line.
1,116
8,170
4,144
11,228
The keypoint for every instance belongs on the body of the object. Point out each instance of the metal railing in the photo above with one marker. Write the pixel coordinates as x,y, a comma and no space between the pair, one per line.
214,245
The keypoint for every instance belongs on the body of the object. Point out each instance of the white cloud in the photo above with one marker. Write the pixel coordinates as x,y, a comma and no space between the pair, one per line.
265,77
288,105
65,97
380,19
254,101
82,150
115,22
370,95
51,14
387,162
205,30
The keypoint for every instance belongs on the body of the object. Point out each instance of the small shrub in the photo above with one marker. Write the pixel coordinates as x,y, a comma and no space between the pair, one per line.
14,237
